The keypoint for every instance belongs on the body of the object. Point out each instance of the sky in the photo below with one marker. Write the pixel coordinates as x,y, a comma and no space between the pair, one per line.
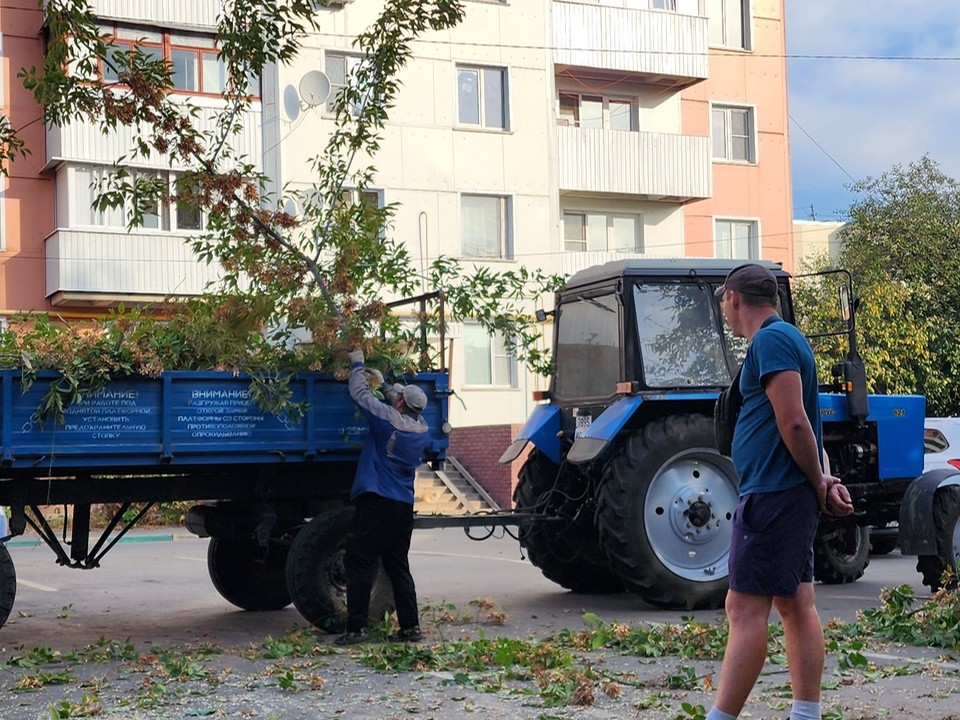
884,90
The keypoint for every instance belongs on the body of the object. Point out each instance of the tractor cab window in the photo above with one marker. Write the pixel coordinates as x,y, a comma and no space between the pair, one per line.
588,347
679,336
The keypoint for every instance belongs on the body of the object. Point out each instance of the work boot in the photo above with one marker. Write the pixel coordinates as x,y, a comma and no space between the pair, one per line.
410,634
351,637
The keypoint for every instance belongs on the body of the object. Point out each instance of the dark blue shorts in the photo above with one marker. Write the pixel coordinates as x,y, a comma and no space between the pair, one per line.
771,551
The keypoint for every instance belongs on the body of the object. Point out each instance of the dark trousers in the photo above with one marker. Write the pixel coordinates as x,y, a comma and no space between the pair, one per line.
380,530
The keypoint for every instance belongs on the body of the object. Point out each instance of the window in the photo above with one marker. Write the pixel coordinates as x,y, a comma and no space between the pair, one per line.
88,181
733,134
484,226
340,68
736,239
594,111
482,97
486,358
588,347
193,57
664,4
729,23
602,231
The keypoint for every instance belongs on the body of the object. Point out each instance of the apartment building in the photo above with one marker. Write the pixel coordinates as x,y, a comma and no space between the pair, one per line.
552,133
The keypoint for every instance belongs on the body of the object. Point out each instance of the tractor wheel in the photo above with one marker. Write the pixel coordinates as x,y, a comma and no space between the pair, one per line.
317,579
248,575
567,552
665,508
8,584
946,523
841,554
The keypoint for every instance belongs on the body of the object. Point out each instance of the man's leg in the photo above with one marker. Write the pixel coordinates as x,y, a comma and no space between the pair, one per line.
397,566
746,649
803,634
361,559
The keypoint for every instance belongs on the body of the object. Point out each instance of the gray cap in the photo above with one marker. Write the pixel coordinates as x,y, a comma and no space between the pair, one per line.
414,397
750,279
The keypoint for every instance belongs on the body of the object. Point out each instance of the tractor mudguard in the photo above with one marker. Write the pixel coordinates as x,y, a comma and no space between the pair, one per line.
601,432
542,429
917,536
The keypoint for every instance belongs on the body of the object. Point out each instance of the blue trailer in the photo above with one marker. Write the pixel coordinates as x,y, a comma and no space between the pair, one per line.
271,489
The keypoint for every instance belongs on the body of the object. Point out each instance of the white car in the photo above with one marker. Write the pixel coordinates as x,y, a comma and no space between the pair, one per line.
941,449
941,443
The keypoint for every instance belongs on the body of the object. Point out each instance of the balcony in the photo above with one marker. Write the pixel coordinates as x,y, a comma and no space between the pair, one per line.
193,14
104,268
655,166
83,141
666,48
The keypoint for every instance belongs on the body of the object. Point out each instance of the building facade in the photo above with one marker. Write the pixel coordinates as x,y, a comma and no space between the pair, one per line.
553,133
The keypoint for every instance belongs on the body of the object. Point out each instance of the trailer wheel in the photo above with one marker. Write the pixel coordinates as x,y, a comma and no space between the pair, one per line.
946,522
248,575
841,554
316,577
567,553
8,584
665,508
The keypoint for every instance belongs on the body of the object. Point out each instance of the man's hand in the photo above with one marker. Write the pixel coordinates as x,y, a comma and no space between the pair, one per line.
838,502
356,356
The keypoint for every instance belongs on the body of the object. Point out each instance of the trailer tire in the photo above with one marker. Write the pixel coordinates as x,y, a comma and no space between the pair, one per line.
248,575
946,523
316,577
665,508
8,584
841,555
567,554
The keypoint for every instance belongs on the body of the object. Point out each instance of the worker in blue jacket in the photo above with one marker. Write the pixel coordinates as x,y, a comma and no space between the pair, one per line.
382,495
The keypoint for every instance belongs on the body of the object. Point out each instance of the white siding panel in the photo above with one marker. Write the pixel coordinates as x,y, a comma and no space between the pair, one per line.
619,38
84,142
634,163
197,14
120,263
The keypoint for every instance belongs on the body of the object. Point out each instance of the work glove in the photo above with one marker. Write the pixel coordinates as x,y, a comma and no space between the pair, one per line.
391,392
374,377
356,356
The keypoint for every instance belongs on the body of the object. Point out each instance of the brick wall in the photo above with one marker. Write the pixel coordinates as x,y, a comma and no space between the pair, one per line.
479,449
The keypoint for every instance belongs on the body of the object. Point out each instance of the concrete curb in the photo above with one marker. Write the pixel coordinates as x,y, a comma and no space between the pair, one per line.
131,537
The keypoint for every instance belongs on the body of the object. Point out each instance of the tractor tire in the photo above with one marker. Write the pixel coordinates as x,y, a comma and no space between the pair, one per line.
946,523
566,553
841,554
665,509
317,579
248,575
8,584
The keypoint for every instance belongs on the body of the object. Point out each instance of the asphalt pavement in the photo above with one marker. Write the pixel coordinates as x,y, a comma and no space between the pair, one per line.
151,602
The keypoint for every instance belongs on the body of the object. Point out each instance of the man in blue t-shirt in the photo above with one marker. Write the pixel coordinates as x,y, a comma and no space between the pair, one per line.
778,451
382,496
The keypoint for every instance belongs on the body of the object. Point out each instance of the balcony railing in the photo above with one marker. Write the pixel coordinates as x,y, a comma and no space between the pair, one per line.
663,45
83,141
654,165
193,14
104,267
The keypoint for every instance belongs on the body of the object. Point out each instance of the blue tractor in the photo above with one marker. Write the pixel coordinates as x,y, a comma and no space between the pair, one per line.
624,470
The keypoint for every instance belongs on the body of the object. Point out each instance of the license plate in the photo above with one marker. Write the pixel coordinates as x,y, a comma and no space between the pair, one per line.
583,422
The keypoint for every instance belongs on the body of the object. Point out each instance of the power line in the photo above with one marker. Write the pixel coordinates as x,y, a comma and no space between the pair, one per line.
716,52
822,149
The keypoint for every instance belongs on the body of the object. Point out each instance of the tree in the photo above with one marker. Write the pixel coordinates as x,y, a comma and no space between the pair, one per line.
326,268
900,246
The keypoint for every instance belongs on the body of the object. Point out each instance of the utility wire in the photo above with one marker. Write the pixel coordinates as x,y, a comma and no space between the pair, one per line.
811,138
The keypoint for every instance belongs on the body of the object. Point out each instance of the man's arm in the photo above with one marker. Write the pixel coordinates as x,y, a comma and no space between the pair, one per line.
785,392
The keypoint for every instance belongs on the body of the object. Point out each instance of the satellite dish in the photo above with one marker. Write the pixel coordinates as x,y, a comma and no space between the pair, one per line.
314,88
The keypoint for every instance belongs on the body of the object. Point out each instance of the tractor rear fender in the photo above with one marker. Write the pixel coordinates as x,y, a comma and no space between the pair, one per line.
542,428
917,533
596,437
